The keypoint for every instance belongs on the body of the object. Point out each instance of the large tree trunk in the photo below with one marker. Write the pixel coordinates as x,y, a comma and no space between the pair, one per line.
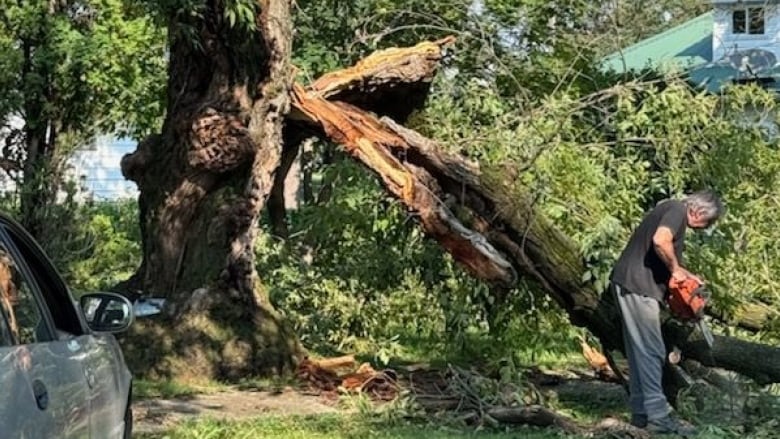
498,235
203,182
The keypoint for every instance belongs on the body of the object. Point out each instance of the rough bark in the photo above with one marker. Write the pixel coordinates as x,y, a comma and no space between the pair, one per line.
497,234
203,182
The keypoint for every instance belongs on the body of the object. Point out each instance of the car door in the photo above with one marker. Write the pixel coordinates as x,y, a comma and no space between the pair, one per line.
47,388
100,358
109,384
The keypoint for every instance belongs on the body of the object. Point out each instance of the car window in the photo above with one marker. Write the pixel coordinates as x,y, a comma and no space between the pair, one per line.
19,306
59,307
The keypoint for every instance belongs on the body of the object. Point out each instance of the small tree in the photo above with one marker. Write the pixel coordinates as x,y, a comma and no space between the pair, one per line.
70,70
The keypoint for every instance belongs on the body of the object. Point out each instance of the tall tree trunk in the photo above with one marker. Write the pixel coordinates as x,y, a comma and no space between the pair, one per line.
203,182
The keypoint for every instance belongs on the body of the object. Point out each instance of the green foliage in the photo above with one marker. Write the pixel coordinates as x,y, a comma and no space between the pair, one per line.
71,70
241,13
519,48
356,268
93,245
358,275
110,249
94,67
595,176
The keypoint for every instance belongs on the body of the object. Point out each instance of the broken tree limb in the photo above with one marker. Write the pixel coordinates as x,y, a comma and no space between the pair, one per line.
365,138
489,226
391,82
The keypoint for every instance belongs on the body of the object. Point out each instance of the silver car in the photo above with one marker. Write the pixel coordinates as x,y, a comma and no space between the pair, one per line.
62,373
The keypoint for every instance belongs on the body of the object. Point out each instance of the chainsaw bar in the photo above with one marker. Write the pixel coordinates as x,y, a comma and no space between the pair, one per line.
706,332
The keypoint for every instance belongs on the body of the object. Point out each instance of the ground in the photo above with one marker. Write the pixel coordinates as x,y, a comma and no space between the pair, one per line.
155,415
172,410
287,410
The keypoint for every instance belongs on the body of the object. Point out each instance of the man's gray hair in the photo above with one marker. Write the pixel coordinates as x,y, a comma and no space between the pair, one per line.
707,202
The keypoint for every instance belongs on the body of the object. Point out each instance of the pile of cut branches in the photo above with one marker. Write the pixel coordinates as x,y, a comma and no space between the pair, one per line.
464,394
481,400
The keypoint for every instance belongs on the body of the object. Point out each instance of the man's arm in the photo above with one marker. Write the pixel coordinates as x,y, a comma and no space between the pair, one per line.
663,242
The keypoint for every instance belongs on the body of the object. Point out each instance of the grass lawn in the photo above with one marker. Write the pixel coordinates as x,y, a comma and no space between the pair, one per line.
334,427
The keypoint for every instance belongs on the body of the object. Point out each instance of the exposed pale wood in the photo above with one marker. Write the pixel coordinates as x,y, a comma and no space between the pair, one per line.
368,140
393,81
346,361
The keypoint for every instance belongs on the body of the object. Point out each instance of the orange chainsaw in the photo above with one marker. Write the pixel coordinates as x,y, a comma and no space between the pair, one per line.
687,299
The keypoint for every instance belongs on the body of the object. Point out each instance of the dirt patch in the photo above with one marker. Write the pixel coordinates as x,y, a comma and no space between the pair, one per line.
157,415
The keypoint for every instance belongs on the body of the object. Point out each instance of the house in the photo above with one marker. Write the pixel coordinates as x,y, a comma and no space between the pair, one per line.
737,41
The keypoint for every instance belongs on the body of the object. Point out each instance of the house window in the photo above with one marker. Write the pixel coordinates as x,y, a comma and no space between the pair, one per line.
739,24
756,21
748,21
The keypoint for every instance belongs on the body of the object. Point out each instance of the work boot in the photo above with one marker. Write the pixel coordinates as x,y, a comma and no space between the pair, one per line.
670,425
639,421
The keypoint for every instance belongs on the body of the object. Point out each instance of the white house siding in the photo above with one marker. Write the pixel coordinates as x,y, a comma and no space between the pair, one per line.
725,42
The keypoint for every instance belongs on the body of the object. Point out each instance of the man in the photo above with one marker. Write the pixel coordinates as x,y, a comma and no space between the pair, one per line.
652,256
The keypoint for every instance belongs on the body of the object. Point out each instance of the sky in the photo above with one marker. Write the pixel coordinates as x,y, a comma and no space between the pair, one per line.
99,166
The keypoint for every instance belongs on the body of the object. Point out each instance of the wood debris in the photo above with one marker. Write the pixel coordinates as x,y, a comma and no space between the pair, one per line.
598,362
339,374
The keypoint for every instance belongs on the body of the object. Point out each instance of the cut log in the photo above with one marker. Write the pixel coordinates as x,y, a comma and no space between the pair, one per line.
533,415
750,316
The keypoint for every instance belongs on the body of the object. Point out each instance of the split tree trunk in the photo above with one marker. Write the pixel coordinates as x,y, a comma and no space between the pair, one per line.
203,182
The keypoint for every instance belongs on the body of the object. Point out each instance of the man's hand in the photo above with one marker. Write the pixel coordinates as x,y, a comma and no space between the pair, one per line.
680,274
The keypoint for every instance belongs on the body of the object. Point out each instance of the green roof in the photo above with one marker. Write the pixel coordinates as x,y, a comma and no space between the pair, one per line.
679,48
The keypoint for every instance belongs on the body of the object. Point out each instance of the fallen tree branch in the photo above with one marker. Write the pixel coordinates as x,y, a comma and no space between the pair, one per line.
508,234
489,225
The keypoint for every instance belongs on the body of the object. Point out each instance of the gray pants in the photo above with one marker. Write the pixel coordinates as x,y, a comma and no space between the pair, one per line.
646,353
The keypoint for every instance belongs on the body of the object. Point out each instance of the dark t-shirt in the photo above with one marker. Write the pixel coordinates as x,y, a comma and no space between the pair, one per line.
639,269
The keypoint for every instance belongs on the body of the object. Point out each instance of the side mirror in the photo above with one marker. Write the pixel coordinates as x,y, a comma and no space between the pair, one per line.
107,312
